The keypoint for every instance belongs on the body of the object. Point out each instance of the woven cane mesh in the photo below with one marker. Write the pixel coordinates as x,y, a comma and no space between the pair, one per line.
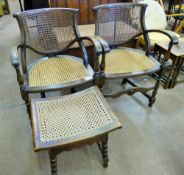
126,61
64,118
56,71
48,30
119,23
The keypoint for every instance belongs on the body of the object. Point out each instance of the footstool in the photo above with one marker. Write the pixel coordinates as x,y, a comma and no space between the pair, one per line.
63,123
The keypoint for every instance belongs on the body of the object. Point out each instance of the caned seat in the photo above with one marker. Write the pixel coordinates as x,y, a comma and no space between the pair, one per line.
62,123
127,61
59,70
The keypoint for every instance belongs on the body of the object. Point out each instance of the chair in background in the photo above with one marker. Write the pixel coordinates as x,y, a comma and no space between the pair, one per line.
174,12
5,6
178,15
119,24
50,33
1,10
155,18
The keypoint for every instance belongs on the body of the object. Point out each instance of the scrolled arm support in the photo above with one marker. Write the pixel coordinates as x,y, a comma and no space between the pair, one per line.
14,57
100,48
98,51
15,63
106,49
97,48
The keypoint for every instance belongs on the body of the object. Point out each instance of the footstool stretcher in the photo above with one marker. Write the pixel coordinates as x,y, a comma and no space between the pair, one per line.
63,123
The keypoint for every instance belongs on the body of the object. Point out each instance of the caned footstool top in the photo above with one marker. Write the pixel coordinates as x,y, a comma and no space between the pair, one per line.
70,119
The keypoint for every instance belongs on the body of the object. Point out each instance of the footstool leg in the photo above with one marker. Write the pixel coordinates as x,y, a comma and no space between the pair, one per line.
105,151
53,162
103,146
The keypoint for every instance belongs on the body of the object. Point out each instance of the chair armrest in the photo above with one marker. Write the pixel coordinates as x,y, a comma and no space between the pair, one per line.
173,38
104,44
98,49
14,58
15,63
102,50
106,49
93,40
101,47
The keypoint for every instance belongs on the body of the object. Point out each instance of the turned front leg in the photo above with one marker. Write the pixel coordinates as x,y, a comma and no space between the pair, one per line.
53,162
105,151
103,146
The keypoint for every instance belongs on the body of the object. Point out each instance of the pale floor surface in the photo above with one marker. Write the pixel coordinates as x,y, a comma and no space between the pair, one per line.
150,143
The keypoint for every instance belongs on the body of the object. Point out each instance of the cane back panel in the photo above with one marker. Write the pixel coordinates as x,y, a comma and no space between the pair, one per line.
119,22
47,30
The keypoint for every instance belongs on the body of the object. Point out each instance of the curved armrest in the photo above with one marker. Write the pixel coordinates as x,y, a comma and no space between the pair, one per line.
93,40
104,44
14,57
100,48
173,38
106,49
100,51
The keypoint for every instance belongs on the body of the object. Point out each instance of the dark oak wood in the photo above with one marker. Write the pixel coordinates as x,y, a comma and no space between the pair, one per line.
86,15
35,4
91,5
84,12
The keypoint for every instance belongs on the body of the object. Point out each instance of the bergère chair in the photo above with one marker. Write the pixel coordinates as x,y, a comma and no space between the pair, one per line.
51,32
118,24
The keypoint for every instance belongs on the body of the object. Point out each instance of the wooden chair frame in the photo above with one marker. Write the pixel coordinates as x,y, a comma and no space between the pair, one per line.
22,76
159,70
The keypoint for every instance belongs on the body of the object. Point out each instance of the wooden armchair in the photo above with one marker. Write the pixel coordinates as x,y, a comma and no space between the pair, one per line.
119,24
50,33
